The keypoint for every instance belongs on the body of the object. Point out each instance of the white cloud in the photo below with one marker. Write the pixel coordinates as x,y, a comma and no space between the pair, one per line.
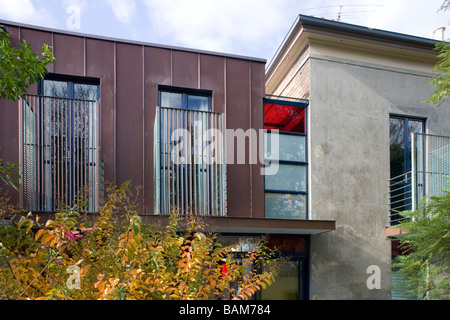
123,9
232,26
25,12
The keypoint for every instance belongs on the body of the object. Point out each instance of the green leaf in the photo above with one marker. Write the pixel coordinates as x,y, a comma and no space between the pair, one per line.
136,229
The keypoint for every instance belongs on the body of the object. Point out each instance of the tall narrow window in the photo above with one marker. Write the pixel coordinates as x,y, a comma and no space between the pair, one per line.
189,156
286,191
60,145
400,185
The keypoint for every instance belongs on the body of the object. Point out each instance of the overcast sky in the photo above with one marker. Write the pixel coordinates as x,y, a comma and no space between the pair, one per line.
243,27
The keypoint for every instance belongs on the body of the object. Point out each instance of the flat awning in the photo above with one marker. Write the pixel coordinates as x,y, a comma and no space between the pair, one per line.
259,225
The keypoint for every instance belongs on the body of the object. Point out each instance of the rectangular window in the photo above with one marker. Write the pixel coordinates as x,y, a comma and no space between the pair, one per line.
400,184
60,145
286,190
189,154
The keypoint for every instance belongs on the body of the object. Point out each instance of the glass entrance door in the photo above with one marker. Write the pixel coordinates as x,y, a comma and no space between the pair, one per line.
290,283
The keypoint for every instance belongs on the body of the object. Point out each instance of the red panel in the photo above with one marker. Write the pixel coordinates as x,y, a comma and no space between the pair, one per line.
287,244
284,118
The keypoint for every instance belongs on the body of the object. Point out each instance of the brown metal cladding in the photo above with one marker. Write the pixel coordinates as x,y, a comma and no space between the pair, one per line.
157,71
69,54
238,117
257,119
212,77
129,114
37,39
129,74
100,62
185,69
9,139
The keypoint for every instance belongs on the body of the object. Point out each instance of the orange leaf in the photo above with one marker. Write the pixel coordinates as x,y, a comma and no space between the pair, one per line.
40,233
47,238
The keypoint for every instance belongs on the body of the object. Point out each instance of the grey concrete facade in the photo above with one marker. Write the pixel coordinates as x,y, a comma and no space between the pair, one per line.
353,90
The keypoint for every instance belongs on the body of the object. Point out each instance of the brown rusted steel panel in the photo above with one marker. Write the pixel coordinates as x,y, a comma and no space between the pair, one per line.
129,114
238,117
100,60
9,139
257,119
212,77
69,54
37,39
185,69
157,71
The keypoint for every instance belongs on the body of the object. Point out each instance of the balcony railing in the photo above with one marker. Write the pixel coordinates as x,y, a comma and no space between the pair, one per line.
189,162
59,152
430,159
400,197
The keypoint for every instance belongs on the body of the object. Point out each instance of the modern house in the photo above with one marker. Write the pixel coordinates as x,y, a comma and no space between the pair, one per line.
368,129
298,150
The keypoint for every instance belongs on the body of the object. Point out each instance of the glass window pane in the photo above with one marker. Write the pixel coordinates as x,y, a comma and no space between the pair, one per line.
288,148
85,91
53,88
171,100
198,103
288,178
285,206
284,118
286,284
397,146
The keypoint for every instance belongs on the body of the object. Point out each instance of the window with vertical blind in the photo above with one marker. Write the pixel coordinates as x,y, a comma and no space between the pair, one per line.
286,191
196,183
60,145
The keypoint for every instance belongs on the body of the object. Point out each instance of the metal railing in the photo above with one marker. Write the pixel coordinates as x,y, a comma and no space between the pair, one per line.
189,162
430,173
59,152
400,197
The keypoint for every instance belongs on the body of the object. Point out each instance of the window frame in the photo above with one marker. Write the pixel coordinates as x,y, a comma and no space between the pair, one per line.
406,136
71,81
91,142
163,164
185,93
300,104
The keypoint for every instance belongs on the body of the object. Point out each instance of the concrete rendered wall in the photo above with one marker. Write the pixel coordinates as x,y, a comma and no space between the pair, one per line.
350,104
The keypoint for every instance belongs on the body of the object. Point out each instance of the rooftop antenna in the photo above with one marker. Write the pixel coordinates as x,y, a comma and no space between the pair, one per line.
339,13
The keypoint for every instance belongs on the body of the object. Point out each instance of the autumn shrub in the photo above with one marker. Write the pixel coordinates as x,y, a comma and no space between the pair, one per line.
114,255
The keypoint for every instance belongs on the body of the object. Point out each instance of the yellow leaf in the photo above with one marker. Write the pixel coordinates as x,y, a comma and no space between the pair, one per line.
47,238
21,222
40,233
30,226
49,222
55,239
40,298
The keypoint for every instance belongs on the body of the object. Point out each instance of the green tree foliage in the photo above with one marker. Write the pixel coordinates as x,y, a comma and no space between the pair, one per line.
441,81
427,244
20,67
117,256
